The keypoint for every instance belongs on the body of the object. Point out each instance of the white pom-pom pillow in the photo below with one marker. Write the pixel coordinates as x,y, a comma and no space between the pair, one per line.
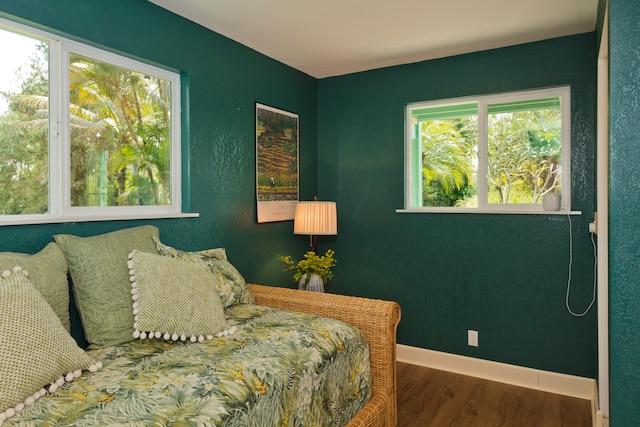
37,354
174,300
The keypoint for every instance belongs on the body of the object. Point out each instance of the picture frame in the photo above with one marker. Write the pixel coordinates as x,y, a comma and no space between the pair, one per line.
277,163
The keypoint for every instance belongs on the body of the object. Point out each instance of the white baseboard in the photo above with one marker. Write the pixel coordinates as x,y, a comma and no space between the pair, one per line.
601,420
568,385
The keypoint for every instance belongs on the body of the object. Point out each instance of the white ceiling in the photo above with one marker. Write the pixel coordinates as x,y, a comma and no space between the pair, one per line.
334,37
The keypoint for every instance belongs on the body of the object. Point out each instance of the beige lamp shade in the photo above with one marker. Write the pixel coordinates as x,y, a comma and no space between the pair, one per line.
315,218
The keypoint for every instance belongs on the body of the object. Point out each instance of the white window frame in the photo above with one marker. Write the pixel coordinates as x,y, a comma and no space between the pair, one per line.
60,209
413,170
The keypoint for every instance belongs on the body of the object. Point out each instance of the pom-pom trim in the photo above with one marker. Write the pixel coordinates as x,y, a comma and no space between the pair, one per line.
143,335
16,269
52,388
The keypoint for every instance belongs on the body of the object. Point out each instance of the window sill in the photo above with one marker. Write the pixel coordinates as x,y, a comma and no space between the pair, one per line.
51,219
486,211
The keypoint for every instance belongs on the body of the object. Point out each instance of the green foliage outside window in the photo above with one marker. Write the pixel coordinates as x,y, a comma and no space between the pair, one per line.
24,137
120,145
448,169
523,160
119,132
524,155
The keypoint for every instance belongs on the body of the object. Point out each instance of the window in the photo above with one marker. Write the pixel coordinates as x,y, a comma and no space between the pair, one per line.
85,134
495,153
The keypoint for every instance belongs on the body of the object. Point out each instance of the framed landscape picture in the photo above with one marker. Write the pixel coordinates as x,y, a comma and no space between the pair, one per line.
277,178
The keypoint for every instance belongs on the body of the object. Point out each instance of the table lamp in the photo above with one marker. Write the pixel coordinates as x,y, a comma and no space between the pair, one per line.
315,219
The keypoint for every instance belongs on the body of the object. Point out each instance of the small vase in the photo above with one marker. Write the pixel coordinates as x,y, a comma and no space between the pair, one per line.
551,202
315,283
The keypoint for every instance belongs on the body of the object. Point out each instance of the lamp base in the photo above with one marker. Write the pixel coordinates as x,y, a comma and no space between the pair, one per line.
313,244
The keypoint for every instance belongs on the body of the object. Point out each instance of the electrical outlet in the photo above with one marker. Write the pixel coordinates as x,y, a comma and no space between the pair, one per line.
472,338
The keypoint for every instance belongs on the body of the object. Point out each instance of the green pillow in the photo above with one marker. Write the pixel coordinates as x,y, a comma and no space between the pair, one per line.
233,288
98,267
36,350
48,273
173,300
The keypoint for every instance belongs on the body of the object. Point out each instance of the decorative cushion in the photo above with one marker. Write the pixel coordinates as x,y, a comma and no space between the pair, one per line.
48,273
174,300
36,350
233,288
98,267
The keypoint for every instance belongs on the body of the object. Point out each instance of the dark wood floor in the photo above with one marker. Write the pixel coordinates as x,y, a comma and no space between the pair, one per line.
429,397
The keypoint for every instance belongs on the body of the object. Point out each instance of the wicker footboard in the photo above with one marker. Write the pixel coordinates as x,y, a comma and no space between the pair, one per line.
378,321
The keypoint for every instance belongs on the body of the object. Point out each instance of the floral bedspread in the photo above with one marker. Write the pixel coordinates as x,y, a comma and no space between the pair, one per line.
279,369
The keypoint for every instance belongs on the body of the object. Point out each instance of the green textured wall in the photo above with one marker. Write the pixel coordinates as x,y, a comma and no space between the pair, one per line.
624,204
226,79
503,275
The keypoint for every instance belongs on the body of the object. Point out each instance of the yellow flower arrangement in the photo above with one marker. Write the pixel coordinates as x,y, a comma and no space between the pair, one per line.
311,264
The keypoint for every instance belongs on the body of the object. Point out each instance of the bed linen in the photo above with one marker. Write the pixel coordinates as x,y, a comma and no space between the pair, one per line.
279,368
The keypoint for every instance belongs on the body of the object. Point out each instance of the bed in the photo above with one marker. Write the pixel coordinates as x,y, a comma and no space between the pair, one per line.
283,357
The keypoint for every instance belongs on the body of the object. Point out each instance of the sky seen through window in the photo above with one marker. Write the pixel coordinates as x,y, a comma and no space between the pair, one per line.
16,51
